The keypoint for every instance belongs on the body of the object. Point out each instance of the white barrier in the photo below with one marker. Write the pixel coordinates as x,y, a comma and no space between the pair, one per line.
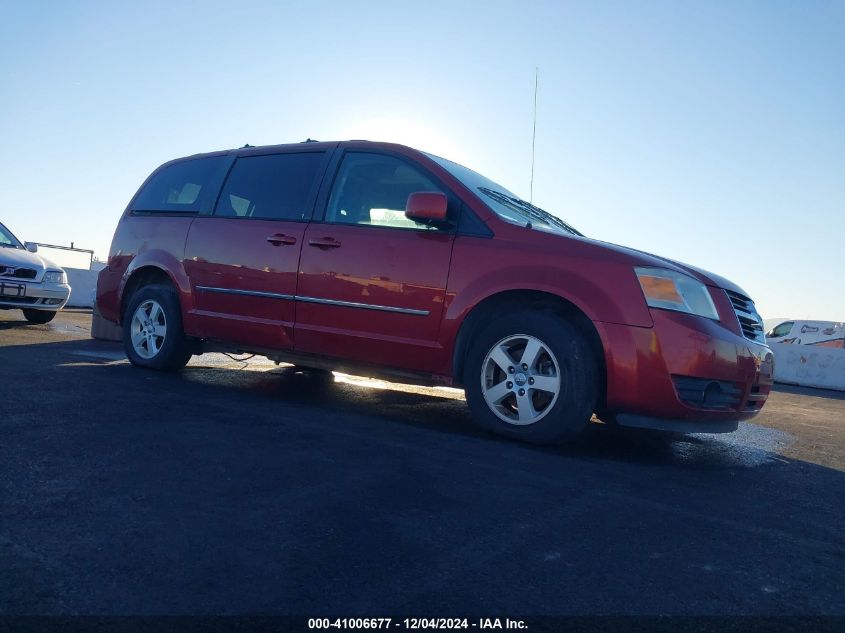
810,366
83,287
104,330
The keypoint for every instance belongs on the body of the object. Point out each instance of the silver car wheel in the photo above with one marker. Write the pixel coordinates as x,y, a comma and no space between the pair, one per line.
520,379
148,329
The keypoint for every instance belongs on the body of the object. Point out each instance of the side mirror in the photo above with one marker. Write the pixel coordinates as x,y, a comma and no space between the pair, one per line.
32,247
427,206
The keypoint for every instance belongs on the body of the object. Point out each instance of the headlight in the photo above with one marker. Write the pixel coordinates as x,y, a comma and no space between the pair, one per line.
55,277
675,291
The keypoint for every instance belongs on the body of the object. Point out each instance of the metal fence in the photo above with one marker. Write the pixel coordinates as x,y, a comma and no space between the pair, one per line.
84,254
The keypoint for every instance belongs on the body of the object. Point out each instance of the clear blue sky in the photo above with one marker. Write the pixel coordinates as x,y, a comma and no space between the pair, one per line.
710,132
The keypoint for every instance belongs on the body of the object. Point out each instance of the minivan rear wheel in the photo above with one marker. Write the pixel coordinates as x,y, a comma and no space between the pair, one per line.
152,329
531,376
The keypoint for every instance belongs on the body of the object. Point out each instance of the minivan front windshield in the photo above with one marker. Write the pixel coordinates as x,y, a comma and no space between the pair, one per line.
502,202
7,240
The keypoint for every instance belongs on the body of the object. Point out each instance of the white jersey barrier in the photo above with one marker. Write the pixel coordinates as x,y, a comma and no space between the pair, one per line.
810,366
83,287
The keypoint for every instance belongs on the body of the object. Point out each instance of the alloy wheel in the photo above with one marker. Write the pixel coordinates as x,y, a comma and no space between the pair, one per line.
148,329
520,379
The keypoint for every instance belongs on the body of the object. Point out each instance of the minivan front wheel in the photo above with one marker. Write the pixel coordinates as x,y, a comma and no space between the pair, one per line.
152,330
520,379
531,376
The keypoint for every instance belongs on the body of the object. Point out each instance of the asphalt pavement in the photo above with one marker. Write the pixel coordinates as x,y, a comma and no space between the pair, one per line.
245,488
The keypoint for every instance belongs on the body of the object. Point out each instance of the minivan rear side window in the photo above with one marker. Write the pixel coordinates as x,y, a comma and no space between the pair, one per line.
271,187
186,186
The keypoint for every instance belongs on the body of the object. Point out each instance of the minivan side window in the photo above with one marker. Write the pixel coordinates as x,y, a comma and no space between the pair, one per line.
182,187
781,330
373,189
271,187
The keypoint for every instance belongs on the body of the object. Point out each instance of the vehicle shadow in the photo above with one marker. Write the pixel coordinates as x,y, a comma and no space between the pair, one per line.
14,324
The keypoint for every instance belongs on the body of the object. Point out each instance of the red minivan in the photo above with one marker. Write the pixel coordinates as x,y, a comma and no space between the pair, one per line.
382,260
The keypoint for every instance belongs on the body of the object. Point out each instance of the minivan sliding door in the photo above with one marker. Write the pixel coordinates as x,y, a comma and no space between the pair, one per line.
242,260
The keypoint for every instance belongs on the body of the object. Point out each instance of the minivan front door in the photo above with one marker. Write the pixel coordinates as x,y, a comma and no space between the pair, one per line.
372,283
242,260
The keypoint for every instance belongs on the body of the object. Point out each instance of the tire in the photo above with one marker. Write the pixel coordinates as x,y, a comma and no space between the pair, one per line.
549,403
152,329
39,316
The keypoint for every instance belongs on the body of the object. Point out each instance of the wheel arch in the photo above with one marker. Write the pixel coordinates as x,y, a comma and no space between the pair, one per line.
505,300
143,276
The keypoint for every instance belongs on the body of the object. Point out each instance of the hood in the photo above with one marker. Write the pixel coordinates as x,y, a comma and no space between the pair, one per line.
641,258
19,258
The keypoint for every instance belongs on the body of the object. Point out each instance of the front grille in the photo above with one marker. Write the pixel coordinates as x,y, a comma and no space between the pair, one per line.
750,322
18,273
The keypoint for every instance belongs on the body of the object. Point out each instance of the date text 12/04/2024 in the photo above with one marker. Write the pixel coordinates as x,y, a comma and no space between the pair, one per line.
416,623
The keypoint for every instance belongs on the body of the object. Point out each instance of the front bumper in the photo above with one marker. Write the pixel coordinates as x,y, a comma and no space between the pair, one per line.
37,296
646,366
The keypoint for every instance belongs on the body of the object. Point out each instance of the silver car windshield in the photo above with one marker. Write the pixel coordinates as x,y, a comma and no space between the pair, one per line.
7,240
502,202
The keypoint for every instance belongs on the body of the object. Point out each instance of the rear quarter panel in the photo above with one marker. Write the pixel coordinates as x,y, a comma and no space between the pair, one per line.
139,241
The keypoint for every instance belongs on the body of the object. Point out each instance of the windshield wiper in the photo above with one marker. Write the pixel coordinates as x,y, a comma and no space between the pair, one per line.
530,210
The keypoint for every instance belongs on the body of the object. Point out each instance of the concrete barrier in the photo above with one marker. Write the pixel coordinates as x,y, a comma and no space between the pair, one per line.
810,366
83,287
104,330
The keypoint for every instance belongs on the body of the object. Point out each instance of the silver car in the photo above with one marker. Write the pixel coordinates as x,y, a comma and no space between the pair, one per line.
29,282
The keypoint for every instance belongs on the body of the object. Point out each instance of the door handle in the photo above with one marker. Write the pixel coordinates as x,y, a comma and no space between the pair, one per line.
279,238
324,243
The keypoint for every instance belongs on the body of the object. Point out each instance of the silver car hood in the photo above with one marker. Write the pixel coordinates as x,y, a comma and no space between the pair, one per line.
19,258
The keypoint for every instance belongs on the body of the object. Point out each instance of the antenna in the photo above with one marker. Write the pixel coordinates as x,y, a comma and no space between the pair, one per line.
534,133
